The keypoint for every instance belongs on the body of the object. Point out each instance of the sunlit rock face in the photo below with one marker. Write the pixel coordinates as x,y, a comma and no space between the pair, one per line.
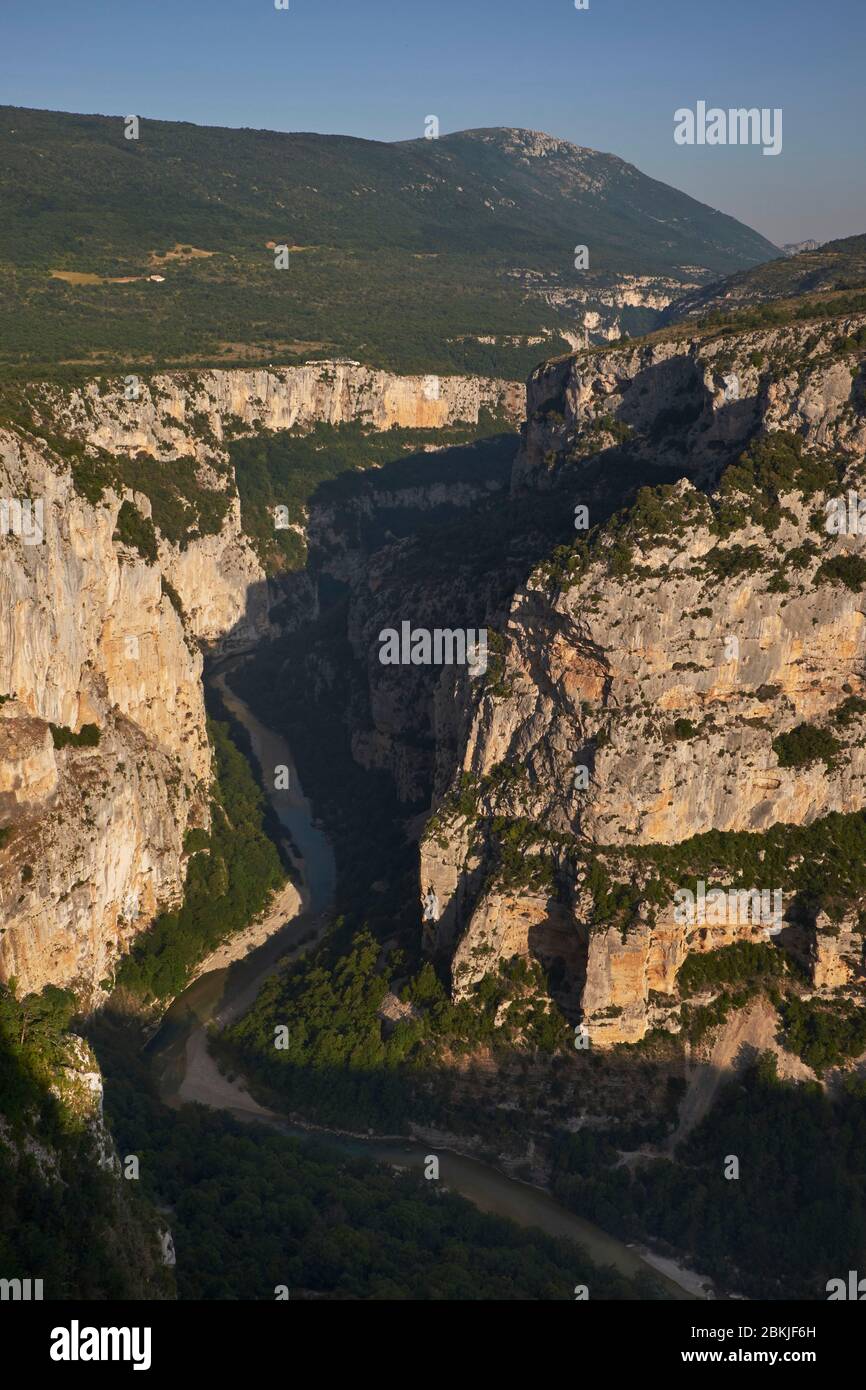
94,834
191,413
668,672
601,675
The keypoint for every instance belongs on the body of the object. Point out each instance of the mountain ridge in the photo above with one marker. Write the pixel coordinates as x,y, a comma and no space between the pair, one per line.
447,255
817,269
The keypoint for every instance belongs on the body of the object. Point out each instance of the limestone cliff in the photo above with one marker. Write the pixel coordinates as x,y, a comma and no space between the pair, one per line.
696,665
193,416
692,402
604,309
94,833
104,761
192,413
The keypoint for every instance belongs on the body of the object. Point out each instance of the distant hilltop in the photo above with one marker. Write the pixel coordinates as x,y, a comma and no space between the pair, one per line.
793,248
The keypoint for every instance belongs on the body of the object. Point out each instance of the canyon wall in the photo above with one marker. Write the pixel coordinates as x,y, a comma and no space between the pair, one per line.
602,308
695,401
93,841
95,633
193,413
666,659
649,677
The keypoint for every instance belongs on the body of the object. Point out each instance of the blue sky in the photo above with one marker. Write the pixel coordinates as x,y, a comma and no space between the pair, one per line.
610,77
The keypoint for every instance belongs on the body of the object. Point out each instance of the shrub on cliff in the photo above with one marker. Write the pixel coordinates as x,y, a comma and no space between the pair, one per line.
849,570
741,963
88,736
824,1034
804,745
136,531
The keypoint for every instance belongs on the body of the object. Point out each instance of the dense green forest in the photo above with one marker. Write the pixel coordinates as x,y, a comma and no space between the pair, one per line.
340,1065
794,1218
825,1033
251,1210
402,255
102,1242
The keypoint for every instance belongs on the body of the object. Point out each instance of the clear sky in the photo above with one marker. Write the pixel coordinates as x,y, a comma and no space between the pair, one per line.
609,77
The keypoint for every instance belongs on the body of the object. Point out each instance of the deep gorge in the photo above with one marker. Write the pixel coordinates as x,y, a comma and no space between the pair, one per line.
550,918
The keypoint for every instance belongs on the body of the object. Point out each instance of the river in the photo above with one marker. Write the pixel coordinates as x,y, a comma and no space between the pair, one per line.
187,1072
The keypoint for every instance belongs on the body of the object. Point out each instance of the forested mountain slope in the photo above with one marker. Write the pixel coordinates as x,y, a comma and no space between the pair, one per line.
835,266
428,255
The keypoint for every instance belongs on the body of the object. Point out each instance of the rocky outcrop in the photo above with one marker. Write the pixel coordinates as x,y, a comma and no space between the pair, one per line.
671,689
94,830
698,667
221,585
601,308
631,975
78,1087
837,953
408,719
515,923
193,414
50,1150
692,403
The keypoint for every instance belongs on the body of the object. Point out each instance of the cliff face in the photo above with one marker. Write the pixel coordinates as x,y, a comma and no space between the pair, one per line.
693,402
640,688
194,416
87,637
697,666
602,311
193,413
603,674
410,720
92,633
